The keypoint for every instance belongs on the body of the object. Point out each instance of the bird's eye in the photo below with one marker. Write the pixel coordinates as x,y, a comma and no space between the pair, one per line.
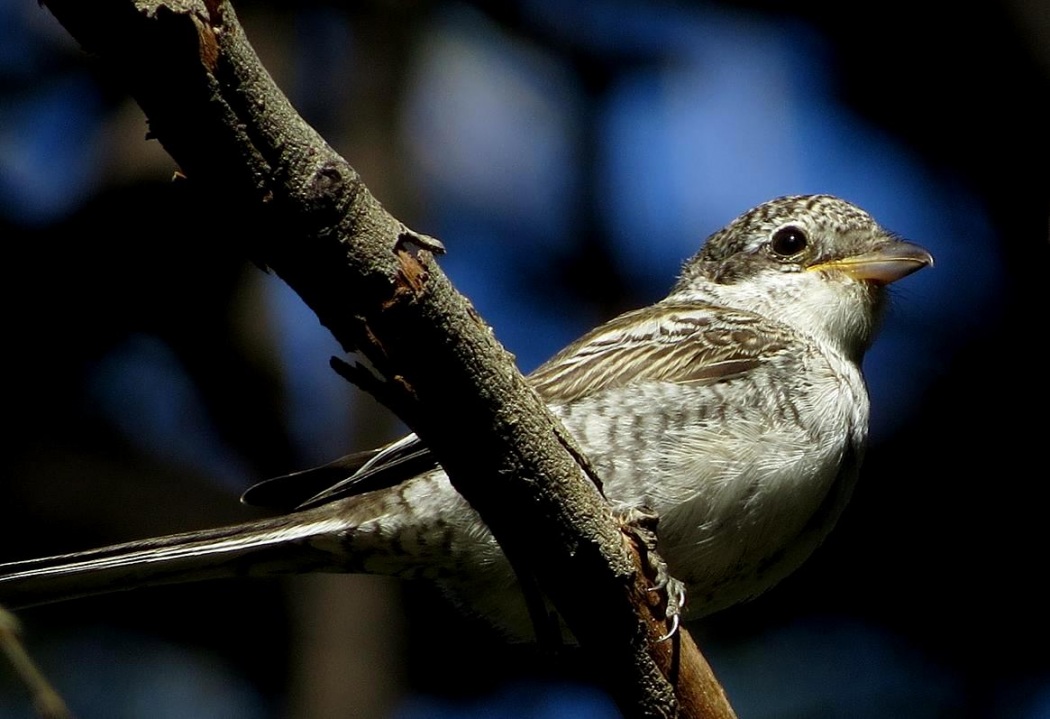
788,241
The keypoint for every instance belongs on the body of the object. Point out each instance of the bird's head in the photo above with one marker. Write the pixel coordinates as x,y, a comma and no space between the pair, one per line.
814,262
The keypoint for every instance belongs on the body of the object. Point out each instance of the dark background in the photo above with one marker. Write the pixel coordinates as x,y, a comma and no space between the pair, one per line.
570,155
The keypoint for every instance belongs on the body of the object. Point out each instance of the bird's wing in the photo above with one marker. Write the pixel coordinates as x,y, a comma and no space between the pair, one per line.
688,343
352,474
680,342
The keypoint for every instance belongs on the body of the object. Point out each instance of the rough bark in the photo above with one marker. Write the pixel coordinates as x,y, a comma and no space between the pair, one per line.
376,286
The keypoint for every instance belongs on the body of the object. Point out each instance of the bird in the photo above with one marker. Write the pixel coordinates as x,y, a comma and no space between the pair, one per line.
734,410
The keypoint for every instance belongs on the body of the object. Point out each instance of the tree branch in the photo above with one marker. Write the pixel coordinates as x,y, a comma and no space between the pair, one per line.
48,703
376,286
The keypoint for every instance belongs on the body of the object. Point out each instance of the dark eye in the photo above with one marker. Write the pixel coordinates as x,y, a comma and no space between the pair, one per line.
788,241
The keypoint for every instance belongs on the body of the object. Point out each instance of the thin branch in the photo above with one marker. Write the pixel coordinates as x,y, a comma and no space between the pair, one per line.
376,286
48,702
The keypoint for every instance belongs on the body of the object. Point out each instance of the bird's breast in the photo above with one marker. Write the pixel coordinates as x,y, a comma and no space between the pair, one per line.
748,476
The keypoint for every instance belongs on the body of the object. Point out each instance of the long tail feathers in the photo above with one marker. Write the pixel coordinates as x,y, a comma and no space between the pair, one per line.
271,546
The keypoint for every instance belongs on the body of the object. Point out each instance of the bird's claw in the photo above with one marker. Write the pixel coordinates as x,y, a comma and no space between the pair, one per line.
675,591
640,523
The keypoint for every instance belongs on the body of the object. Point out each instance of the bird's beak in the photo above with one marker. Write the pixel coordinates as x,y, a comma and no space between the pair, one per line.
887,264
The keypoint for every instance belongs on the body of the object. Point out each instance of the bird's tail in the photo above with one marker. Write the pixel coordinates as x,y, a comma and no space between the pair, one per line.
271,546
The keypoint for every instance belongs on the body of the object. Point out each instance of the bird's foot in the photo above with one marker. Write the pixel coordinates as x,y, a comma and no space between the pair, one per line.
640,524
